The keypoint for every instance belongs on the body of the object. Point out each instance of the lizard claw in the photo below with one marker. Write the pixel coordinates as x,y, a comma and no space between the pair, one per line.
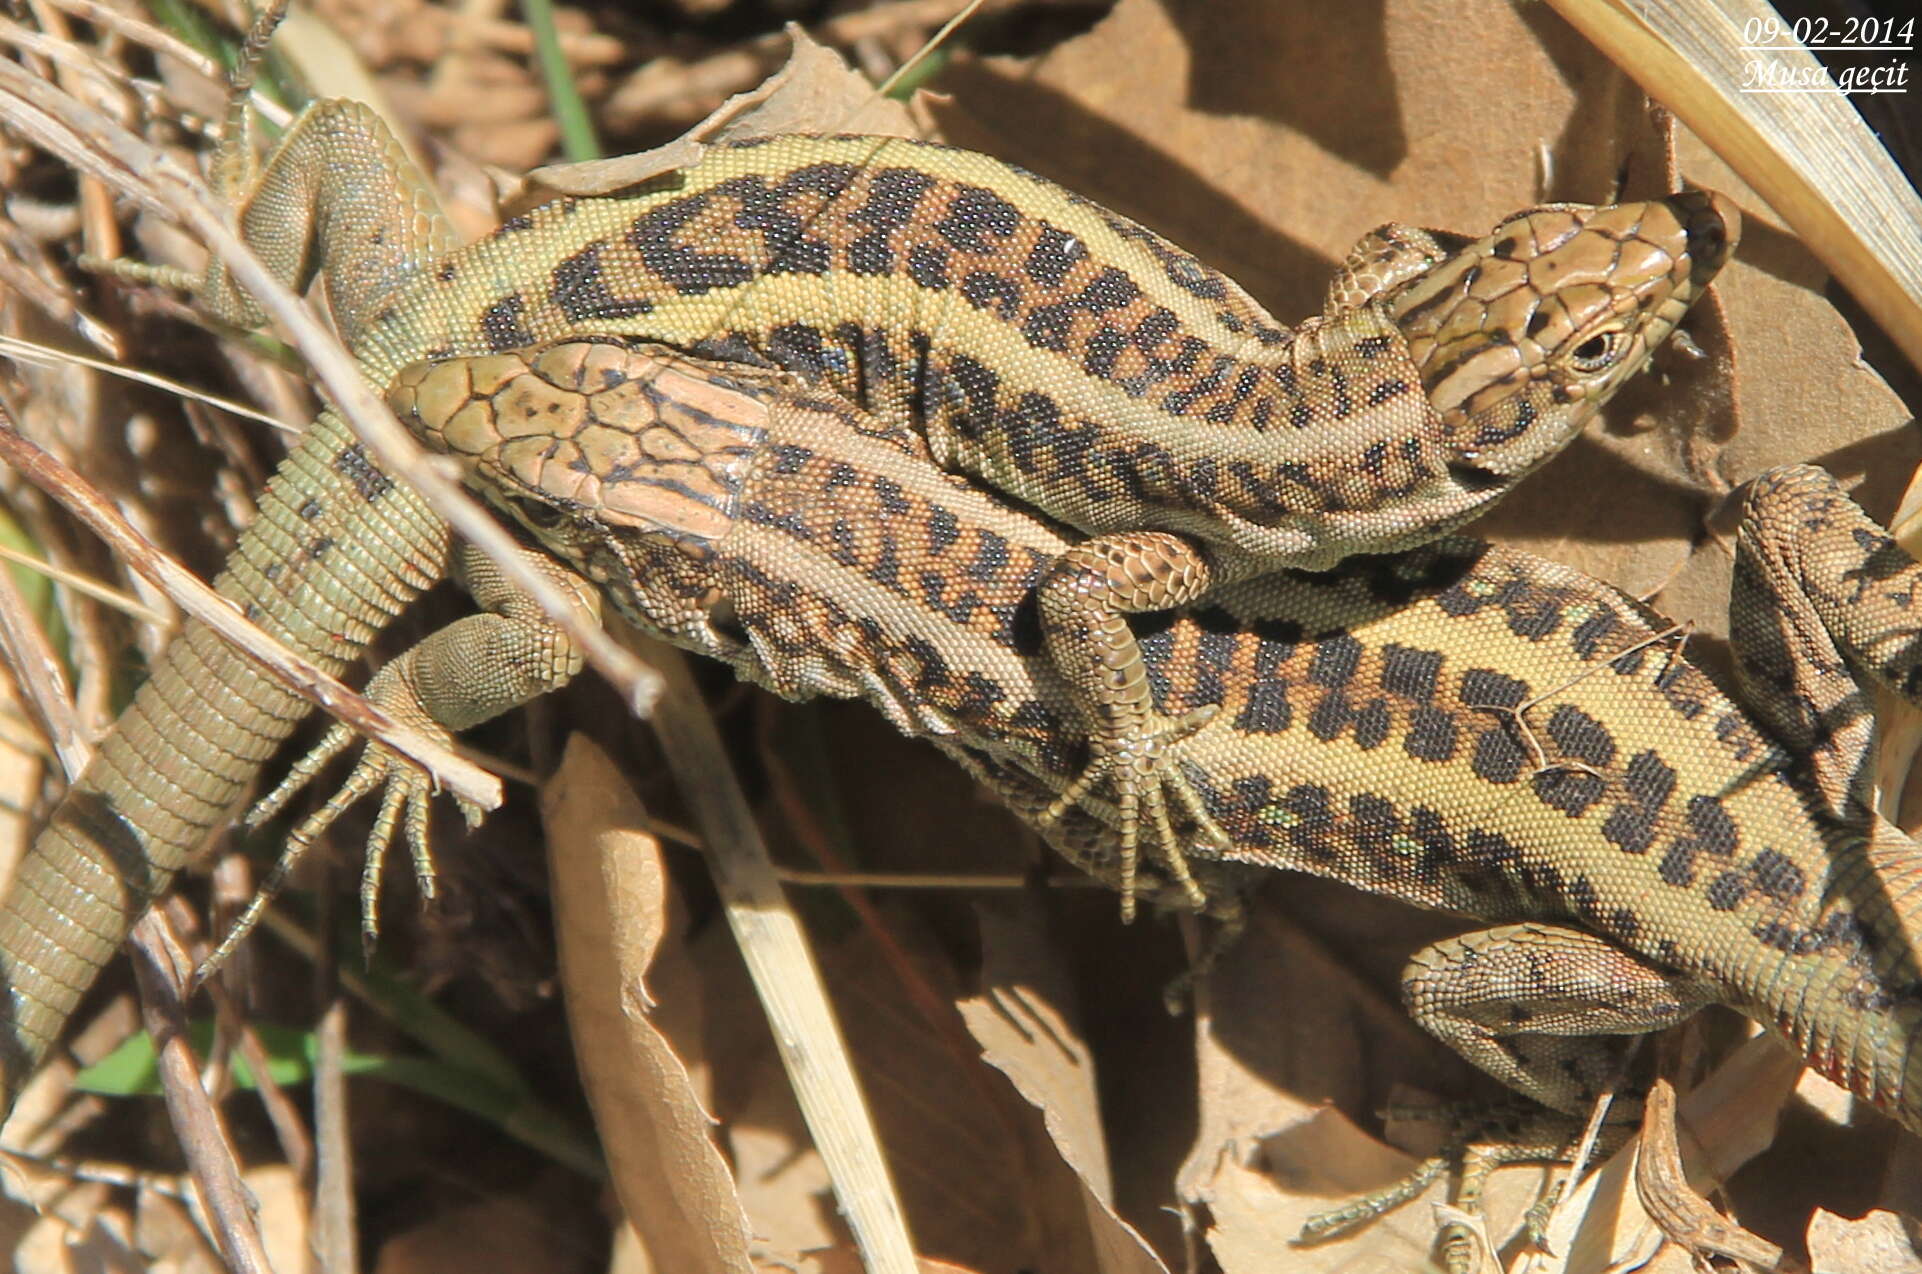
1142,770
406,792
1482,1136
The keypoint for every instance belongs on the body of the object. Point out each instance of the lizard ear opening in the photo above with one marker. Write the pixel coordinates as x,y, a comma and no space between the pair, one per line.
536,515
726,621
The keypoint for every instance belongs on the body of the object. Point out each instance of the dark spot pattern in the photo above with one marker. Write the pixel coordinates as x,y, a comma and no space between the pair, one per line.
1411,673
1648,782
1711,832
354,464
1581,737
1432,735
1776,875
894,198
578,288
656,237
502,324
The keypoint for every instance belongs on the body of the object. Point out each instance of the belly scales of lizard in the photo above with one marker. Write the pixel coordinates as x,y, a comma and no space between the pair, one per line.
1057,349
1462,726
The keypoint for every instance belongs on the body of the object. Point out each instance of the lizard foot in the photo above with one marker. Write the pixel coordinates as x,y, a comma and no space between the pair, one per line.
1084,599
1142,769
463,674
406,792
1483,1136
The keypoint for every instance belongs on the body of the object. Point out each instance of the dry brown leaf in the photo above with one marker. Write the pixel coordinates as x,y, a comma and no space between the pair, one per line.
814,92
974,1168
1723,1123
1024,1022
1286,1027
165,1233
610,915
1259,1206
512,1230
1879,1243
282,1198
963,1159
54,1246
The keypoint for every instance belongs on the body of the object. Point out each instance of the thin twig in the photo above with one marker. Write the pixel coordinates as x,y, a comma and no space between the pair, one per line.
186,591
46,356
126,603
163,42
38,672
289,1128
336,1227
161,969
774,946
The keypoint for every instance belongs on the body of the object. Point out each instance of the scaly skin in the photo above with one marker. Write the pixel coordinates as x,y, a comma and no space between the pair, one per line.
1001,316
336,551
1461,726
1089,368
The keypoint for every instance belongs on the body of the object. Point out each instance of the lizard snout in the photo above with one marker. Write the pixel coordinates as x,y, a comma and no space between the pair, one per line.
1711,226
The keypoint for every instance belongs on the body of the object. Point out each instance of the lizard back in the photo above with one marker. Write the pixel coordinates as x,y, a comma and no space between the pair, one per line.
1083,363
1462,726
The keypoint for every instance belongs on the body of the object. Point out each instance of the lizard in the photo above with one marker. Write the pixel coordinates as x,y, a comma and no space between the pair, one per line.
1080,363
1461,726
1521,333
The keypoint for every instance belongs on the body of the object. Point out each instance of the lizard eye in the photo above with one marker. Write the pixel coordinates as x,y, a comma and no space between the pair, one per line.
1598,352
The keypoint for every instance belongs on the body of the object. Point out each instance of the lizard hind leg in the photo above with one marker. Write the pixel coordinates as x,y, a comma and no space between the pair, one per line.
1825,604
1083,599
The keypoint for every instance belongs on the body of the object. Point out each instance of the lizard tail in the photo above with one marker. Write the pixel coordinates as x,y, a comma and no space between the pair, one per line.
180,758
198,731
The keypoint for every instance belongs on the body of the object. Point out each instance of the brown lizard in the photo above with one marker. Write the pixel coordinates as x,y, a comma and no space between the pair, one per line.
1461,726
918,279
1080,363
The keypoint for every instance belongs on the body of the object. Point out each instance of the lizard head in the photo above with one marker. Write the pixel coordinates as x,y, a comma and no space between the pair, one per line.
1521,335
581,439
623,462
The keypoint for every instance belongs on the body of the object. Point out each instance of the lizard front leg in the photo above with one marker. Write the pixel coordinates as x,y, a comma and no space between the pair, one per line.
466,673
1083,600
1824,605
